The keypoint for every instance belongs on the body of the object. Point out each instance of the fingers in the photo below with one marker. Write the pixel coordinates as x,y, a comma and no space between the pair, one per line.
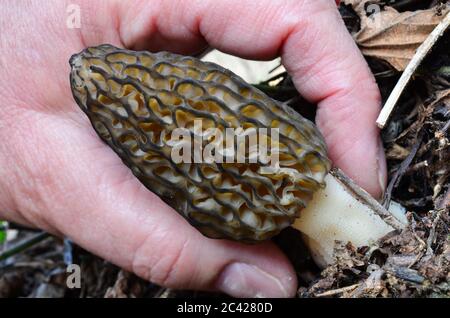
89,195
317,50
331,71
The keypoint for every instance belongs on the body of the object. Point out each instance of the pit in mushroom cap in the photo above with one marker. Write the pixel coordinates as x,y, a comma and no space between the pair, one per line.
135,100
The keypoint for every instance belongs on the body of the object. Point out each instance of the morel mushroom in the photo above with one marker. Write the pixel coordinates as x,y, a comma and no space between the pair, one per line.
136,101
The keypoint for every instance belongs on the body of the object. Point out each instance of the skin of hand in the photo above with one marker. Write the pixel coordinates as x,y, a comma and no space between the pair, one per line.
56,174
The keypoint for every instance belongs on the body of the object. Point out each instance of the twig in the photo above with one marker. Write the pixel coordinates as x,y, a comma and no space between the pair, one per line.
361,195
338,291
20,247
274,77
421,246
163,293
371,284
417,166
417,59
444,203
432,235
401,171
446,127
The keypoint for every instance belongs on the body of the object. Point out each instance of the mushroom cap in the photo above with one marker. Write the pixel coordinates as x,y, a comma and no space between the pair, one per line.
138,102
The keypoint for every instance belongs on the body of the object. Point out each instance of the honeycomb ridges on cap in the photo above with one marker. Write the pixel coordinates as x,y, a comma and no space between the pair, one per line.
135,101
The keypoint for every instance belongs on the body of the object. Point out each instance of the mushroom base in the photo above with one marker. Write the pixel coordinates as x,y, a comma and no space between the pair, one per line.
343,212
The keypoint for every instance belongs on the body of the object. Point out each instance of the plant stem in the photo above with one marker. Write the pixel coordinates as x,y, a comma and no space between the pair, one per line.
22,246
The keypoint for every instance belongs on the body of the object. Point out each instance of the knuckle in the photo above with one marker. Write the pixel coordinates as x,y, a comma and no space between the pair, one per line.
160,260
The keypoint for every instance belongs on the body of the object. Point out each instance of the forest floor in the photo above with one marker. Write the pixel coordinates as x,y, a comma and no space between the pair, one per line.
414,262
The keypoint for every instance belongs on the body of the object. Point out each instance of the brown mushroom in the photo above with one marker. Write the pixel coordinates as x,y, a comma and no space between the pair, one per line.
136,101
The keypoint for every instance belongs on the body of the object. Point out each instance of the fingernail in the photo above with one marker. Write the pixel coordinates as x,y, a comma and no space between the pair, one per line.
245,280
382,170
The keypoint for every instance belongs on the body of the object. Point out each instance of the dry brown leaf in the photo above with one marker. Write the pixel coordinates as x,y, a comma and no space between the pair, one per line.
394,37
397,152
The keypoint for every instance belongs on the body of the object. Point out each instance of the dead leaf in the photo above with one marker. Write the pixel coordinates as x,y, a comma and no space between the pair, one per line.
393,36
397,152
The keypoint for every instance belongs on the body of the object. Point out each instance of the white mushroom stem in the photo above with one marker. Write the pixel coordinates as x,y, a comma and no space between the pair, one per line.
342,211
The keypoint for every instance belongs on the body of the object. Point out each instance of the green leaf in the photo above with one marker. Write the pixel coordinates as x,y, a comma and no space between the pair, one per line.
2,232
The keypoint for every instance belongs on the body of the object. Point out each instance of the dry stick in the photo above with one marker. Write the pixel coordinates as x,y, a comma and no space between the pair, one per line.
368,284
422,51
361,195
432,235
401,170
338,291
444,203
446,127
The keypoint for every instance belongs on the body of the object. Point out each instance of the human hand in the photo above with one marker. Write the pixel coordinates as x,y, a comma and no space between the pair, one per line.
57,175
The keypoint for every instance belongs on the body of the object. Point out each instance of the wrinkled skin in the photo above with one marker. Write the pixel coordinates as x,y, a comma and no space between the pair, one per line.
57,175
